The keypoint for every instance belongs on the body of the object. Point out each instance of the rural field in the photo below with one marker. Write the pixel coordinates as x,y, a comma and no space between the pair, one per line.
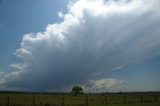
64,99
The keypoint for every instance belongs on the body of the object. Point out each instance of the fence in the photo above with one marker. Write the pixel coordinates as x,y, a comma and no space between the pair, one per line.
89,100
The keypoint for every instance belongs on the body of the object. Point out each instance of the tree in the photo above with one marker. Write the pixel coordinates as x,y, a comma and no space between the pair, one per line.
77,90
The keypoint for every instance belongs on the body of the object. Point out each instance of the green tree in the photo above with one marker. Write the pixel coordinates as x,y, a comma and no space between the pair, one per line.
77,90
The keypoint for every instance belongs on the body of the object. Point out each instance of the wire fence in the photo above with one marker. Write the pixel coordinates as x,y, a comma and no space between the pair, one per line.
85,100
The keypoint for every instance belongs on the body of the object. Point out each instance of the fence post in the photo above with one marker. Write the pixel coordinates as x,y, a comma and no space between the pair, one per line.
105,99
40,104
124,99
8,101
62,101
87,100
141,98
33,101
156,99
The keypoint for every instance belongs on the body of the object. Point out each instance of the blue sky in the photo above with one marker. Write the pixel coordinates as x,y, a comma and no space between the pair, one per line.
100,45
20,17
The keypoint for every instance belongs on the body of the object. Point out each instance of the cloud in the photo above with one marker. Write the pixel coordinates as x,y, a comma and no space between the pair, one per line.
1,75
94,36
103,85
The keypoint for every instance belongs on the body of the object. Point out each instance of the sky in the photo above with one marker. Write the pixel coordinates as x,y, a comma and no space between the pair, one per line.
101,45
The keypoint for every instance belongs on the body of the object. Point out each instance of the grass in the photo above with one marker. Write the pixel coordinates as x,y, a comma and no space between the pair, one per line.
109,99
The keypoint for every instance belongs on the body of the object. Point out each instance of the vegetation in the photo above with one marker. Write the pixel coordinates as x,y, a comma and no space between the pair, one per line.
77,90
65,99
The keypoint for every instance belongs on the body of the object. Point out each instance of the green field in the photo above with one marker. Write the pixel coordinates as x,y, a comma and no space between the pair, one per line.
109,99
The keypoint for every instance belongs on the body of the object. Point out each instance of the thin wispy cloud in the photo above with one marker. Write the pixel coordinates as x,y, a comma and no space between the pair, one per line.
94,36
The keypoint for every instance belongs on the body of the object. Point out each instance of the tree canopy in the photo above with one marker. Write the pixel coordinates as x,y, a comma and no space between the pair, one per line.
77,90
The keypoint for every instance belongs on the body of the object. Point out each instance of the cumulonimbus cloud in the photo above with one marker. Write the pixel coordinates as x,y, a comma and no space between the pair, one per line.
94,36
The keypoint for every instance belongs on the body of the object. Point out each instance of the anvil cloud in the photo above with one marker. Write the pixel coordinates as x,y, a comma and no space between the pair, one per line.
94,36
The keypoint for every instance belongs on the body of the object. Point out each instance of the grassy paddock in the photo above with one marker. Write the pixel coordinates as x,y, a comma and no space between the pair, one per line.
108,99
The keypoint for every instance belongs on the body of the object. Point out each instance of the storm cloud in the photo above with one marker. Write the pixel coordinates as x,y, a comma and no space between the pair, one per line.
94,36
